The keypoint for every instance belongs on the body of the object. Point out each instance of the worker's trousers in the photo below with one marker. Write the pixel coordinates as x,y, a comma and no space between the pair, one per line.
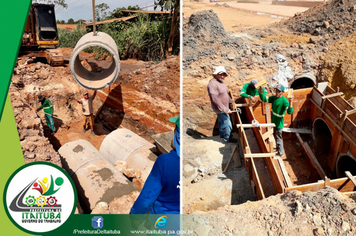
225,126
88,119
277,133
50,122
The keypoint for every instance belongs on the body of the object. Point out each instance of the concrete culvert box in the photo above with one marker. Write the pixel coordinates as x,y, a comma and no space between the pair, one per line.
88,79
96,178
124,145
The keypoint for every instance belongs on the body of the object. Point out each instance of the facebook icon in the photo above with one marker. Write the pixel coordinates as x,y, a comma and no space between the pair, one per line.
97,222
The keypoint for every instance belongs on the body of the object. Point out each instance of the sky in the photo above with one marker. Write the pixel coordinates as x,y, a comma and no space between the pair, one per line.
82,9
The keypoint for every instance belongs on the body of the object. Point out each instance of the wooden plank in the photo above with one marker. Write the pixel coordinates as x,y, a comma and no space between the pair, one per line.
241,105
349,175
290,93
230,158
259,155
296,130
326,182
288,182
236,159
267,134
253,126
262,82
316,96
256,180
332,95
312,157
268,115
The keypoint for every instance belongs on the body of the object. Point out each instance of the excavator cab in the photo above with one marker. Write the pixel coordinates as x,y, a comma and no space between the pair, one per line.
45,24
40,37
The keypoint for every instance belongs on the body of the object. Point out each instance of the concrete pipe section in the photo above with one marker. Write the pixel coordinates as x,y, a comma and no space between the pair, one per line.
124,145
95,177
345,162
91,80
303,80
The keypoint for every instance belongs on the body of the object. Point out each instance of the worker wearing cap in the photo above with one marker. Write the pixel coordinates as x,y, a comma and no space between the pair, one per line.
48,110
87,109
280,105
161,192
220,101
249,90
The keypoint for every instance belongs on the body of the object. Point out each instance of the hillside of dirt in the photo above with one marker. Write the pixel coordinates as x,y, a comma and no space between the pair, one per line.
334,20
148,96
326,212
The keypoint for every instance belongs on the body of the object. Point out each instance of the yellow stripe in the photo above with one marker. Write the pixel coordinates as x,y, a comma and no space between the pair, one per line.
47,42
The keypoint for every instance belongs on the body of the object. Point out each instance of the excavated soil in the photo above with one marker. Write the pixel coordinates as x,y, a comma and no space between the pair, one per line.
250,53
149,94
326,212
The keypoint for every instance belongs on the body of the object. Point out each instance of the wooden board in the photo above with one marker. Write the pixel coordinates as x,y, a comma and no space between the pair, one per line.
349,175
341,184
259,155
312,157
286,177
296,130
259,190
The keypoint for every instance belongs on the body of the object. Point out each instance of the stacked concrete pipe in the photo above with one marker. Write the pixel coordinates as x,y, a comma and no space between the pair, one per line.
91,80
95,177
124,145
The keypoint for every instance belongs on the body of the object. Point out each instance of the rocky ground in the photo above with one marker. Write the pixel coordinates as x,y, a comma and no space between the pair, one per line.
326,212
250,53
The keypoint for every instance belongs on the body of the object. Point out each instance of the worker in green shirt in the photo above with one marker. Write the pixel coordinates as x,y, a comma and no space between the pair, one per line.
48,110
250,90
280,105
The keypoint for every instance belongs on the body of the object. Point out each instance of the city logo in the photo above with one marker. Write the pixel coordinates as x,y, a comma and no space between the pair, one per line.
161,222
39,197
97,222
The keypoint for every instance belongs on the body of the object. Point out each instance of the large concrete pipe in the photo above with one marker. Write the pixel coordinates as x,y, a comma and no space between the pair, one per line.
95,177
345,162
124,145
303,80
91,80
322,135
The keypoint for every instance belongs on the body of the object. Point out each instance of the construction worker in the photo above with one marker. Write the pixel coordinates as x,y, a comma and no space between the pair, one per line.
161,192
280,105
250,91
87,108
48,110
220,101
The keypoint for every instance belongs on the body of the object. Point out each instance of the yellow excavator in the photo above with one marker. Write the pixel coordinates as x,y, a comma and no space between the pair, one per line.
40,37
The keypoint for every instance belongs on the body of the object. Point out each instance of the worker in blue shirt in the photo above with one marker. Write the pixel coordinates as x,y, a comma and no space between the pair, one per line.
161,192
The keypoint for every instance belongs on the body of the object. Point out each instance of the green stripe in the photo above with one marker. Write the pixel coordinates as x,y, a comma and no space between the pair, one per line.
13,15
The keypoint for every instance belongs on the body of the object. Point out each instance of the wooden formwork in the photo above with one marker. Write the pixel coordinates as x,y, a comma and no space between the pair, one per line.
309,104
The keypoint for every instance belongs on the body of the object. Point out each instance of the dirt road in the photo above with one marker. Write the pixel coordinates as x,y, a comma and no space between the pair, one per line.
235,16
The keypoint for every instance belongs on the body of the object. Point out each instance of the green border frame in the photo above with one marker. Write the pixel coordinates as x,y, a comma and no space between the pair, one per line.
31,164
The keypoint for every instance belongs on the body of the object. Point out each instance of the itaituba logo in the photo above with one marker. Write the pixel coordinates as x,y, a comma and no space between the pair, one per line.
46,200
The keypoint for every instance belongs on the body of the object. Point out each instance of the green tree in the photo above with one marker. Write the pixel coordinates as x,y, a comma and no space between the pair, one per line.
70,21
173,6
101,11
117,12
